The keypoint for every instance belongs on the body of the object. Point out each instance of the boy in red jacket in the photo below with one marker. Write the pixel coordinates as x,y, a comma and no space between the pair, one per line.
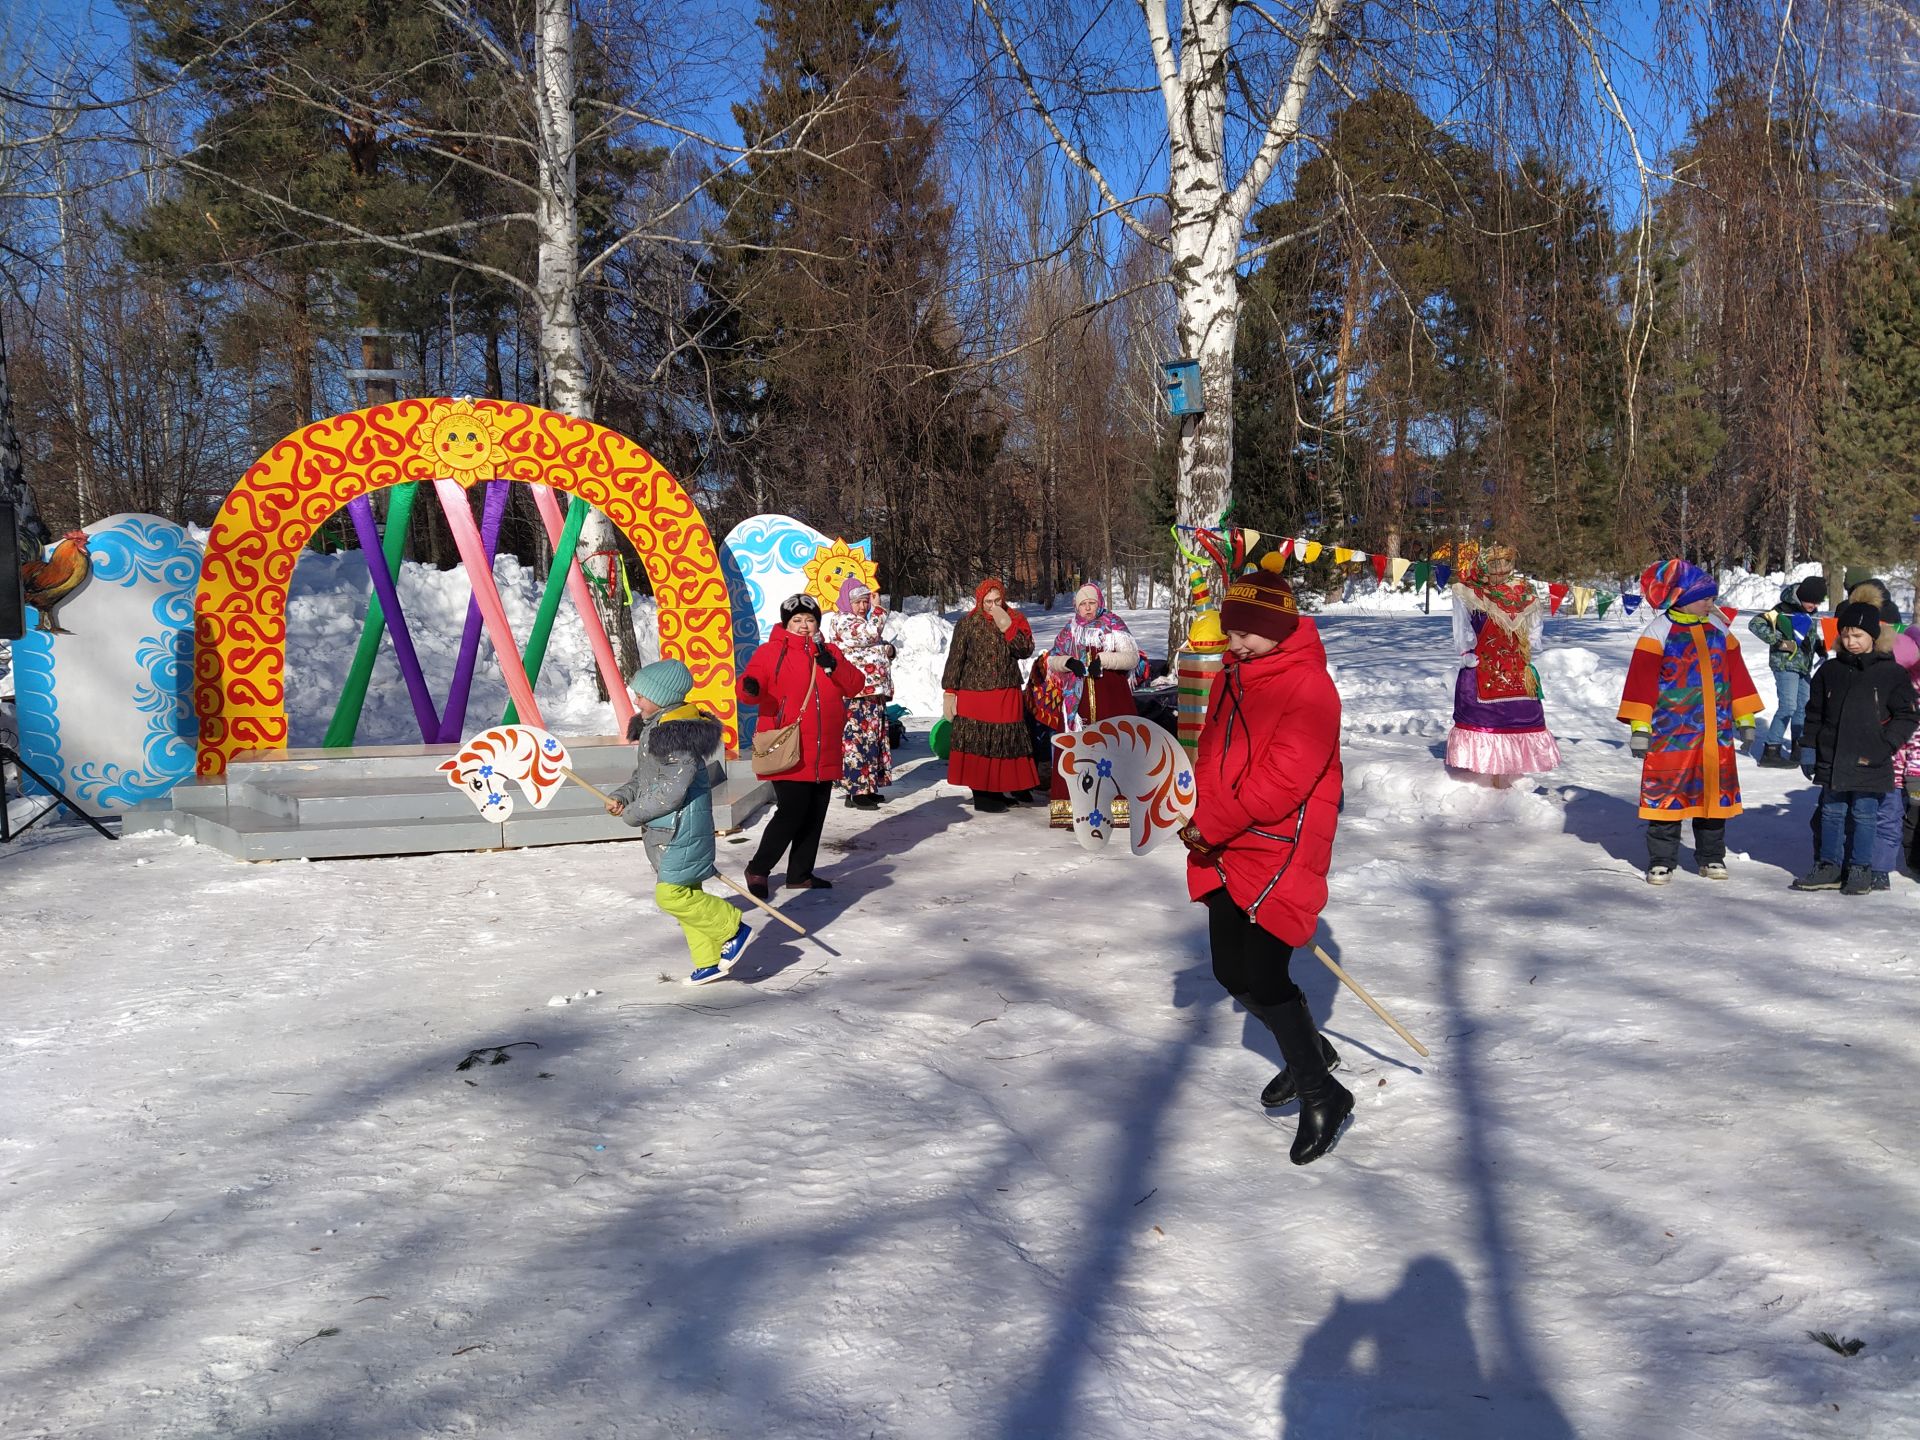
1261,837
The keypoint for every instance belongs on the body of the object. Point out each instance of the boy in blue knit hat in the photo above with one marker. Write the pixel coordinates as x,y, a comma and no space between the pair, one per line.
669,794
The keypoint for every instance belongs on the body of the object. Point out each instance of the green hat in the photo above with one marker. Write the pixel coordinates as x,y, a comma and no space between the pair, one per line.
664,682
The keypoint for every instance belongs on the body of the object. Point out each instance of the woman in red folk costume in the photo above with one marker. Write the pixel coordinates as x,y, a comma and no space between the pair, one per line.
991,753
1092,661
798,678
1261,837
1499,727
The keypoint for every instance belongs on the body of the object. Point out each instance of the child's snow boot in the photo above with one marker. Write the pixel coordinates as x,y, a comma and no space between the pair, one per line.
1882,880
1859,880
1659,875
1713,870
1823,876
730,951
1280,1090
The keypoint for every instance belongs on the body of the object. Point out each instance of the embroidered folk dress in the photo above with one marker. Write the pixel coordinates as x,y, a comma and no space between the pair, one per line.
1689,770
1499,724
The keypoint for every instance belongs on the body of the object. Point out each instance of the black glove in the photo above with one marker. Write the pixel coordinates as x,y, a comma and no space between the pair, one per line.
824,657
1095,669
750,688
1077,666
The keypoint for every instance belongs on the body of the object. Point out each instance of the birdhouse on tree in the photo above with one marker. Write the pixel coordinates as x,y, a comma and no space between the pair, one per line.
1182,380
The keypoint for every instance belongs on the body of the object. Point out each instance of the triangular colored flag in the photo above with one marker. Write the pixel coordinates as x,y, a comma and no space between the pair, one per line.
1422,572
1251,539
1397,568
1557,595
1310,552
1380,568
1442,575
1284,551
1342,555
1582,599
1604,601
1631,603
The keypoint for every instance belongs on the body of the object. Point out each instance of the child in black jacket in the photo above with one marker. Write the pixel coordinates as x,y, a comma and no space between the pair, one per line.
1861,710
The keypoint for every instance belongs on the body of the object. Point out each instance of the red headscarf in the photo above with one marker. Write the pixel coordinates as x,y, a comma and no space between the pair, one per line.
992,582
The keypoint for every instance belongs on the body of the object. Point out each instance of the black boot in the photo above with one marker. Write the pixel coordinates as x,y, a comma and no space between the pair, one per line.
985,802
1280,1089
1325,1103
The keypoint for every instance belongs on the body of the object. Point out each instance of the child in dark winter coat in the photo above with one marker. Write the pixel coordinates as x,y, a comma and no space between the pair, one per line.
669,794
1261,838
1860,712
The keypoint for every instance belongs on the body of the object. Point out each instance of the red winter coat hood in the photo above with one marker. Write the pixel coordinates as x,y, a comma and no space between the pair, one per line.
783,666
1269,778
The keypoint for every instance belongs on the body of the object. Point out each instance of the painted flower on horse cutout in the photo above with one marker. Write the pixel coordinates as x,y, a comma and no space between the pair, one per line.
461,442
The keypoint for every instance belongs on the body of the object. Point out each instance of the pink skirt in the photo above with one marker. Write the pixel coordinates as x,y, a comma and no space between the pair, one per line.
1502,752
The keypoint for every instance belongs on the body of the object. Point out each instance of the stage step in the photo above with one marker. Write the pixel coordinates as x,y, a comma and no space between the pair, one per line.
394,800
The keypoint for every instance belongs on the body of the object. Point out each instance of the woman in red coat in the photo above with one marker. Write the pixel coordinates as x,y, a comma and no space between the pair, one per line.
1261,837
797,676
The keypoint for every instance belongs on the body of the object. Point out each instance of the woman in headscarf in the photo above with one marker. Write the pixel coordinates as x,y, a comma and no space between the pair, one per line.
864,633
1092,661
1499,726
990,752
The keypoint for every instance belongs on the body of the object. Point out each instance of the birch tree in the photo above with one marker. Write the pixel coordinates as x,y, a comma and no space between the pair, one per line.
1209,199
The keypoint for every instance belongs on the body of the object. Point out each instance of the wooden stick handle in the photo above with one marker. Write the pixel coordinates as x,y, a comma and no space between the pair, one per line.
1372,1004
587,785
729,880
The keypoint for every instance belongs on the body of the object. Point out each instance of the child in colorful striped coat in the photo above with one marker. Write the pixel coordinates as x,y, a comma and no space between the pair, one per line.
1687,692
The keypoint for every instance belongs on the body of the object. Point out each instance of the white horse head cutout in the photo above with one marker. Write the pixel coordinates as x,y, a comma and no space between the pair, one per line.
1125,759
522,753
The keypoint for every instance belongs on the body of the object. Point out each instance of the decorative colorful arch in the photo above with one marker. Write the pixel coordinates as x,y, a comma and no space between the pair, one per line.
240,628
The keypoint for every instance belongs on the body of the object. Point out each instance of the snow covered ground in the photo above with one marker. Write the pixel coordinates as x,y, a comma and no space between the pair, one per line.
986,1159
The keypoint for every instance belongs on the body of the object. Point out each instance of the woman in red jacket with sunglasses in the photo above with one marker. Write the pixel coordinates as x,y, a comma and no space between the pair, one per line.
1261,837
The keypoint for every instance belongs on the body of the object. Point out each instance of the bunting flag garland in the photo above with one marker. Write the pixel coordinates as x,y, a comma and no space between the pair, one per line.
1226,551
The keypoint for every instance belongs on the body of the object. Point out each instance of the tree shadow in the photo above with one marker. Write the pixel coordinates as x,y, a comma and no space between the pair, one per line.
1406,1364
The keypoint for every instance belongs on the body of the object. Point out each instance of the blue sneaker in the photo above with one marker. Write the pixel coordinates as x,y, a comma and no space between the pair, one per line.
707,974
730,951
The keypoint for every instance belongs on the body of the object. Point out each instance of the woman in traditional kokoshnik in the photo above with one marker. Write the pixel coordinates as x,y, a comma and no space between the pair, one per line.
1499,726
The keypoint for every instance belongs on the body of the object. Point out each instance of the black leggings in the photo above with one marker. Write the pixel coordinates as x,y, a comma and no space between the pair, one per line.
1247,960
799,814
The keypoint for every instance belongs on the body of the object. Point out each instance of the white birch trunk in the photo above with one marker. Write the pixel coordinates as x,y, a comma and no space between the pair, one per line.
1208,214
562,341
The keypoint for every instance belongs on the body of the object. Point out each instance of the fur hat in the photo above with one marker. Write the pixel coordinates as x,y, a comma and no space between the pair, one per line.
1260,604
664,682
799,605
1860,615
1873,591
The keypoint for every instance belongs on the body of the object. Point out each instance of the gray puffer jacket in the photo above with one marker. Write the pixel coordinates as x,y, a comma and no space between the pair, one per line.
669,793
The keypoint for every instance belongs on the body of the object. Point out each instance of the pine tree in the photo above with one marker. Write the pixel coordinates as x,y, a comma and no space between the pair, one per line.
1871,440
824,316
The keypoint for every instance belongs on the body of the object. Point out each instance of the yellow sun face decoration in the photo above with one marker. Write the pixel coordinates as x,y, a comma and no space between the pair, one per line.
462,442
832,566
